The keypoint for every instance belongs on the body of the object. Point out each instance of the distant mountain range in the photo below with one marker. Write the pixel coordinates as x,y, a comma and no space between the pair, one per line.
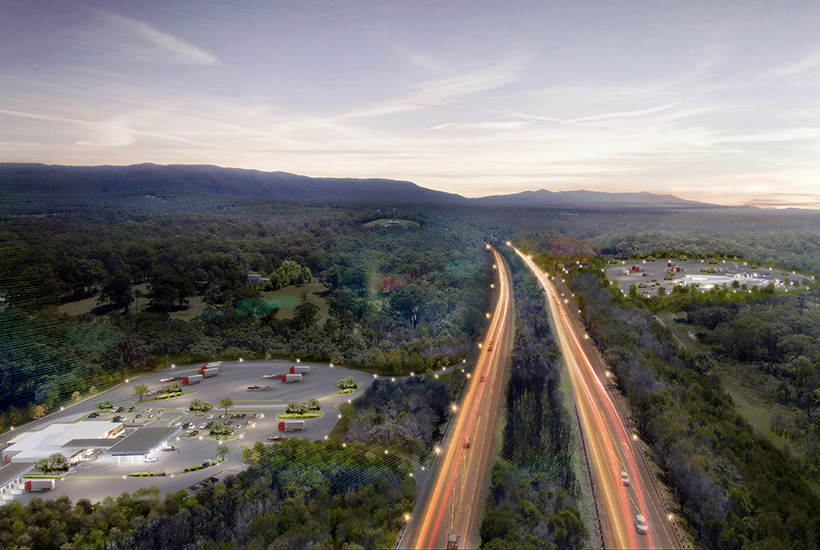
56,182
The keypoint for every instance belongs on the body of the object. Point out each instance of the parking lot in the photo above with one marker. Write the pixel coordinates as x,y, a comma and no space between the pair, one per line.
253,417
650,275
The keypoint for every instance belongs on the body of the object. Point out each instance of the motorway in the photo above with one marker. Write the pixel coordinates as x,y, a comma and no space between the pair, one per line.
611,446
453,503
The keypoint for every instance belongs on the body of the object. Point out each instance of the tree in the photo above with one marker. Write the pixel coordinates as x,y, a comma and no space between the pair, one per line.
303,409
117,290
140,390
292,408
222,450
409,301
225,403
38,411
219,430
568,529
305,314
198,405
313,404
103,405
75,396
55,462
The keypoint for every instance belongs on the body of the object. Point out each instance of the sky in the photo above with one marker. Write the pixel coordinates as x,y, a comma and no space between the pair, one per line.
710,101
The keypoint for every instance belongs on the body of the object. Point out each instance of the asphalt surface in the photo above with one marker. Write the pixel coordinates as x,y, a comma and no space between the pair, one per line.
102,476
452,499
611,445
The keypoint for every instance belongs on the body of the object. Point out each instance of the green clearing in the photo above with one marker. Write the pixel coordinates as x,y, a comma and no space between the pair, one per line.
681,334
739,383
285,300
461,268
755,410
387,222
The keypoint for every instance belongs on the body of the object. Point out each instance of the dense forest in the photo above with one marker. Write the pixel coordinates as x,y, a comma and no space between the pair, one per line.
773,340
533,499
735,488
398,298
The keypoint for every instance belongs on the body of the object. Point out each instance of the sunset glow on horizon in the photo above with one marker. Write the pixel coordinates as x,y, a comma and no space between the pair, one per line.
714,102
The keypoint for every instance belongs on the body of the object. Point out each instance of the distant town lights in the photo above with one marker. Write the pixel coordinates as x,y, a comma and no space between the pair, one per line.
240,359
298,360
509,243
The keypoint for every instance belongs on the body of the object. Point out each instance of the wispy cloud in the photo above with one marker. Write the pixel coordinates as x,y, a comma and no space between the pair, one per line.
116,131
142,41
799,66
442,91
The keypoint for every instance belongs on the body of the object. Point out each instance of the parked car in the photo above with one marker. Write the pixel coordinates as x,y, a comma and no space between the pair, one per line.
131,409
93,415
276,438
193,432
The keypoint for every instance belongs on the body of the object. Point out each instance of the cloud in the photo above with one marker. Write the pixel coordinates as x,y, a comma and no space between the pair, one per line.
800,66
116,131
142,41
446,90
501,125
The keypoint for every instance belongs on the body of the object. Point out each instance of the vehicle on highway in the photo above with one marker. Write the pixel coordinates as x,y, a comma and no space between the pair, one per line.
490,347
640,525
483,378
467,443
624,479
453,540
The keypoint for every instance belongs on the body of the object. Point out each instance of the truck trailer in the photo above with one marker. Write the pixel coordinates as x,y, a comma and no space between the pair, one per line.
291,378
210,371
39,484
291,425
192,379
300,369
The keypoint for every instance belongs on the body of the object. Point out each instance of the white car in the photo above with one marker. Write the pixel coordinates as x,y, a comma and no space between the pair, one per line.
640,525
624,479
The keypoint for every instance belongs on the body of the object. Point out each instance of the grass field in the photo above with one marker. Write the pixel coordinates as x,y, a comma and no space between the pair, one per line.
756,411
739,384
286,299
382,222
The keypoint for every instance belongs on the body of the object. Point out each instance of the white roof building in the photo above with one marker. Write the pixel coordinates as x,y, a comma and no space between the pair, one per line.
67,439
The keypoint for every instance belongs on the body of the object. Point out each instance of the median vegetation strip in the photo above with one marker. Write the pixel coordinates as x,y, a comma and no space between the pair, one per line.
533,492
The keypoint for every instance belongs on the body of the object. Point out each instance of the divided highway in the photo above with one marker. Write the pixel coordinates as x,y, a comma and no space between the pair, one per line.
624,488
453,503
